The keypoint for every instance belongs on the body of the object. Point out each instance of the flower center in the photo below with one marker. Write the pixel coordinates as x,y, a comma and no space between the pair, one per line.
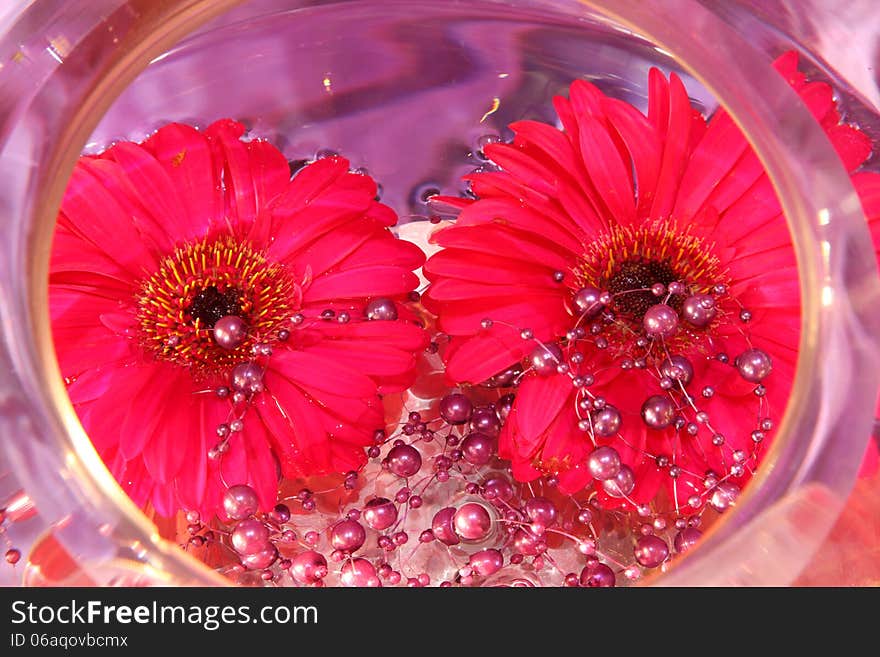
653,265
197,286
631,283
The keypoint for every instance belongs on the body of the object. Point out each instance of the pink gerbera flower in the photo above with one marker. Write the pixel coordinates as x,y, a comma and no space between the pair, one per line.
635,276
214,318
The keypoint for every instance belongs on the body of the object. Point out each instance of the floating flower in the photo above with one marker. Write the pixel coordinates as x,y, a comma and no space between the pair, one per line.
634,275
219,323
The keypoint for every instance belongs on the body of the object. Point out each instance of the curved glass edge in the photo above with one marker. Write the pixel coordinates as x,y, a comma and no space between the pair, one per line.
829,416
835,336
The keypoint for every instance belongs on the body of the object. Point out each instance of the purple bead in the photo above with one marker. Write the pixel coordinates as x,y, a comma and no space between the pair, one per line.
230,331
347,536
658,411
478,448
456,408
677,368
504,378
260,560
545,359
497,490
603,463
660,321
724,495
247,378
607,421
250,536
404,460
541,511
525,542
587,303
486,562
753,365
699,310
651,551
441,525
472,521
359,572
380,513
620,484
280,514
485,420
504,405
240,501
308,567
596,575
686,539
381,310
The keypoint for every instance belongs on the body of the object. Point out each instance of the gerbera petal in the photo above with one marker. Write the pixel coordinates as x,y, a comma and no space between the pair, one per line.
500,238
149,182
185,155
376,280
99,219
712,161
319,373
484,355
642,143
538,402
608,172
852,145
254,173
675,151
531,172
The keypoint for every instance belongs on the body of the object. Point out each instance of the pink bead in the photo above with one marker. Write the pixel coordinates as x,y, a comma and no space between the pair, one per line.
472,521
260,560
497,490
486,562
380,513
347,536
651,551
478,448
441,525
686,539
541,511
597,574
250,536
456,408
404,460
359,572
240,501
525,542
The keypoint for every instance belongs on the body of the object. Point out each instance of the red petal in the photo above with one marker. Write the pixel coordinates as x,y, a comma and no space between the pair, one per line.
186,157
539,400
608,172
674,150
642,143
713,160
476,359
318,373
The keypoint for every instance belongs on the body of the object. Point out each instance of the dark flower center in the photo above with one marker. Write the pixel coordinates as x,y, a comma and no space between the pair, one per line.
631,286
211,304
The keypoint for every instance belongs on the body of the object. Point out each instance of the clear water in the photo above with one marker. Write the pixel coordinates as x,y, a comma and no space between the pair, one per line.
405,90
